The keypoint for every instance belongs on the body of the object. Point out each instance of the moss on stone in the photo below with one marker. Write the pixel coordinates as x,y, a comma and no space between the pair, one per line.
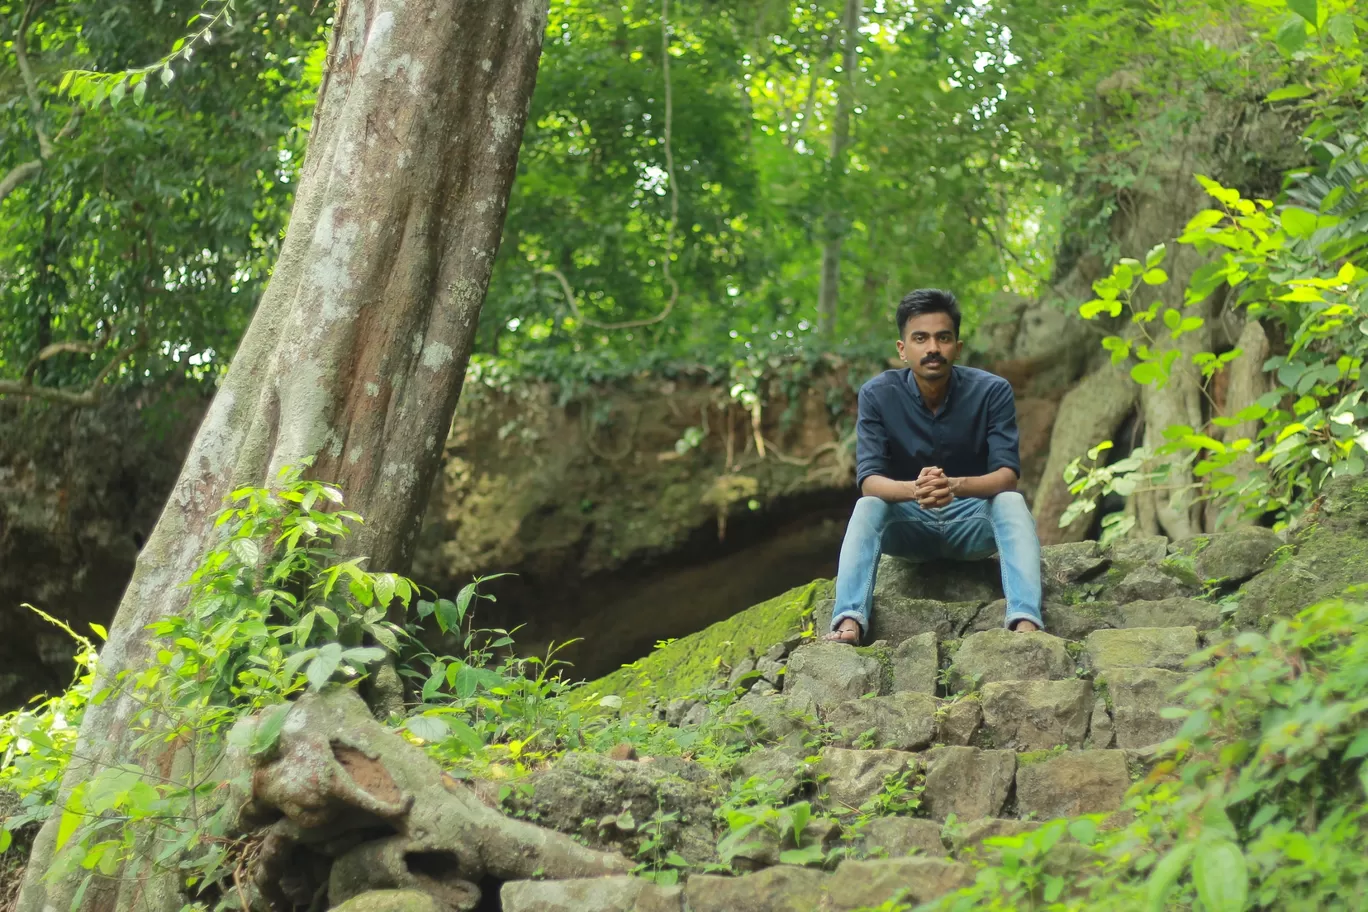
1040,756
1182,568
688,665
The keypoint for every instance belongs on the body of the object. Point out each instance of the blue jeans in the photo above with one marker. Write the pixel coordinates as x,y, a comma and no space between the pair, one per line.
967,528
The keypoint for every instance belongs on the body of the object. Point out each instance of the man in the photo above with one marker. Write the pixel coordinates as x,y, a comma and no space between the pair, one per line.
937,463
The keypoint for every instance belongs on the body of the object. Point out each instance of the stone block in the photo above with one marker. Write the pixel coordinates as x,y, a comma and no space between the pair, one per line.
896,618
905,721
1070,563
1149,583
1037,715
831,673
1101,727
1074,622
900,836
972,833
959,721
590,894
1236,555
1141,647
1138,695
938,580
785,888
787,719
1004,655
1171,612
1148,549
916,664
870,884
852,777
770,764
967,782
1072,783
393,901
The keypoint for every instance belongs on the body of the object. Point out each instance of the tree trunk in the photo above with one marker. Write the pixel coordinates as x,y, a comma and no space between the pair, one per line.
357,351
833,223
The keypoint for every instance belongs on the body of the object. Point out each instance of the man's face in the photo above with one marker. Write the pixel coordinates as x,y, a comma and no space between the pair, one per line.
929,346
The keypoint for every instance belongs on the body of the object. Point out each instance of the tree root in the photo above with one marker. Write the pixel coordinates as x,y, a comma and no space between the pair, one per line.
342,792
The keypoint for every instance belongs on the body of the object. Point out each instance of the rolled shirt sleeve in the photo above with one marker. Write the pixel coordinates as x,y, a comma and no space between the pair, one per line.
1003,439
871,439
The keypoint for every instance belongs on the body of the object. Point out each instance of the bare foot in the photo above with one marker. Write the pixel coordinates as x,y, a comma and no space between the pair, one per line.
1025,626
848,631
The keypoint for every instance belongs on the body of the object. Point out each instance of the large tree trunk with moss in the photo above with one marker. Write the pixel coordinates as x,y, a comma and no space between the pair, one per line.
833,223
357,351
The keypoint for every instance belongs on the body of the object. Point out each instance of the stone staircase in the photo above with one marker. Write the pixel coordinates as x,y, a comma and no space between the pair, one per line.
999,731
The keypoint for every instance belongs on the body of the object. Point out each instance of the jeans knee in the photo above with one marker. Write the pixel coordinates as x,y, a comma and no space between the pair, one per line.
1009,500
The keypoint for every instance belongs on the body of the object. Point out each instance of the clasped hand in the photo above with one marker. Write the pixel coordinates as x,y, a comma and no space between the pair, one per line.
932,489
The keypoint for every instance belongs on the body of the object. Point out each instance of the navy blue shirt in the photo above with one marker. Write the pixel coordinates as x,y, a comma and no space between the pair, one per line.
974,433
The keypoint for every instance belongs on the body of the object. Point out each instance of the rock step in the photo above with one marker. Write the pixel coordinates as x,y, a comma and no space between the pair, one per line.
783,888
973,783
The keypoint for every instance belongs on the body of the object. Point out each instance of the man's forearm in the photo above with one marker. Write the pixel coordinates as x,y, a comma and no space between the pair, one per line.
985,486
887,489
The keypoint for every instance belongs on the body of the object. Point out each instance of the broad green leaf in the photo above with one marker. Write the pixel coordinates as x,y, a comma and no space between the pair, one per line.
1341,28
1147,372
1298,223
1166,874
1292,36
1221,876
428,728
1154,277
1286,92
323,665
1307,9
267,730
246,550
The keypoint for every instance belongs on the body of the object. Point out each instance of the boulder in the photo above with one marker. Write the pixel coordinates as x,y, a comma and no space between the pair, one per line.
938,580
1138,696
832,673
1147,549
744,667
1327,556
581,793
896,837
1171,612
905,721
1037,715
852,777
1141,647
1150,583
395,901
871,884
1075,621
1072,783
1005,655
769,764
783,888
787,719
1234,556
967,782
916,664
959,721
1070,563
594,894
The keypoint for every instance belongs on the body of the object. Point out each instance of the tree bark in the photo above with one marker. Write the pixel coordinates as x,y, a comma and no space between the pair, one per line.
833,223
356,353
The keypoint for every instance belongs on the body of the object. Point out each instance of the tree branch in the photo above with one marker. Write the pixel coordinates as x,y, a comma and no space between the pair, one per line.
17,175
91,395
30,84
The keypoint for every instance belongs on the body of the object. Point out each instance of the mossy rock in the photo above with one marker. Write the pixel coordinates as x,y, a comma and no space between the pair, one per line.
1330,555
688,665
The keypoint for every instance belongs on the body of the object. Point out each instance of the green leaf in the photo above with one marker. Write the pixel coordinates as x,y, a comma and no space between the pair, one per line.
1299,223
267,731
428,728
1154,277
1286,92
1166,874
6,838
139,91
1147,372
321,669
1155,256
384,588
246,550
1307,9
1221,876
363,655
1172,318
1292,36
813,854
1358,747
1341,28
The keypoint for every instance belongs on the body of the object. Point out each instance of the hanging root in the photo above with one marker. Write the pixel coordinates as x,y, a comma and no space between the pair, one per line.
342,794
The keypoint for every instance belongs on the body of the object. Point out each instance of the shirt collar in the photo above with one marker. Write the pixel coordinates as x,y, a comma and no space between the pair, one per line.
949,390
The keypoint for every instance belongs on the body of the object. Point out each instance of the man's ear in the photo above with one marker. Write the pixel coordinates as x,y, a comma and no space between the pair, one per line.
901,356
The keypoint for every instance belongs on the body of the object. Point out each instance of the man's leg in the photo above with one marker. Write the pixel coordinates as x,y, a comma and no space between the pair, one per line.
975,528
1019,553
873,524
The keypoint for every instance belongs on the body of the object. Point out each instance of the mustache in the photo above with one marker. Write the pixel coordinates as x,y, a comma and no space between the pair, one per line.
933,359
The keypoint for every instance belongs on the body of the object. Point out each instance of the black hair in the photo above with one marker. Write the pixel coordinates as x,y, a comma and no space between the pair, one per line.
927,301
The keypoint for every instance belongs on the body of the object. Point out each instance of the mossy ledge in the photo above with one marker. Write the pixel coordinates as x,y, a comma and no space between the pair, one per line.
689,664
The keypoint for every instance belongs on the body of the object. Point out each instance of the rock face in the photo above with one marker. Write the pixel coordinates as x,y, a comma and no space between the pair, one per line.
1004,655
900,836
855,776
905,722
968,782
1072,783
916,664
1138,696
1141,647
1037,715
832,673
598,894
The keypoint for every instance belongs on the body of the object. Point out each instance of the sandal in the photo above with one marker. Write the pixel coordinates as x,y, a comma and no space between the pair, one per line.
847,632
